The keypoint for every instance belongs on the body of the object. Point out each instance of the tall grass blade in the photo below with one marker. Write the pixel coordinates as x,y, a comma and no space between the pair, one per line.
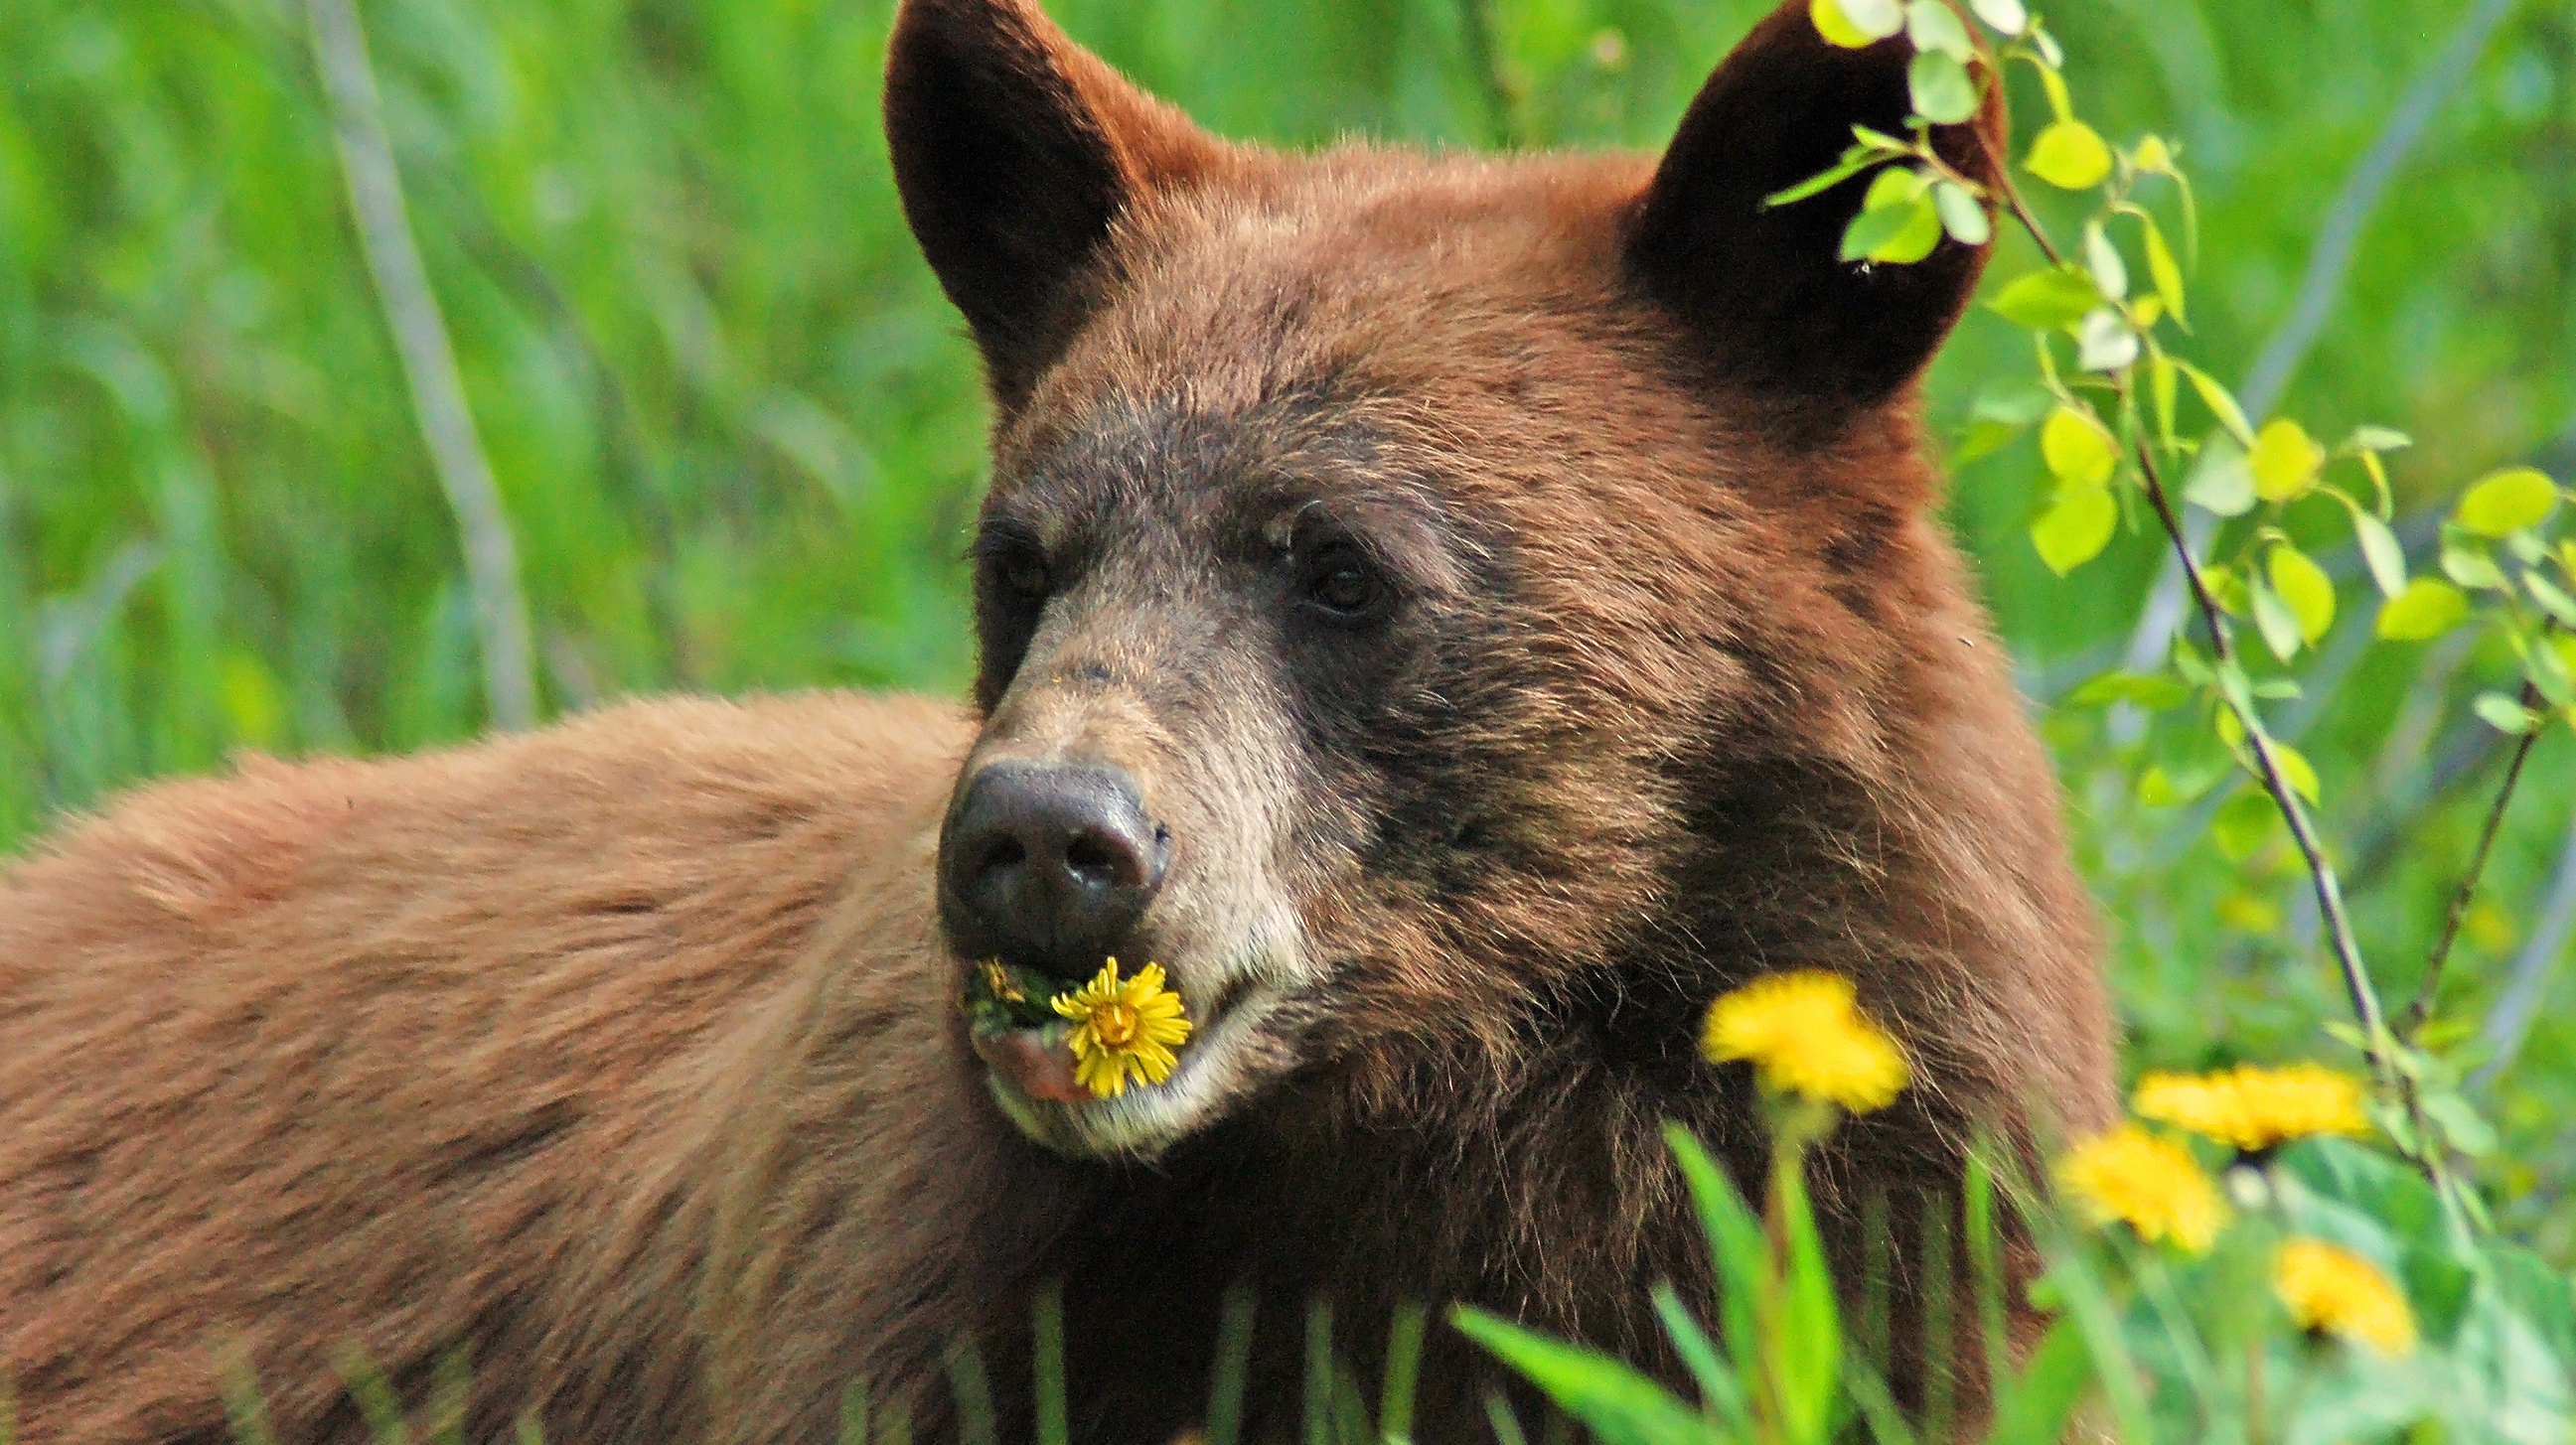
450,1389
377,1403
974,1393
527,1431
854,1413
1985,1265
245,1412
1048,1364
1233,1363
1403,1364
1319,1371
1721,1395
1877,1405
1939,1337
1507,1426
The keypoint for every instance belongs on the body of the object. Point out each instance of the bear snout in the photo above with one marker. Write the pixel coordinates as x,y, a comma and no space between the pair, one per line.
1049,865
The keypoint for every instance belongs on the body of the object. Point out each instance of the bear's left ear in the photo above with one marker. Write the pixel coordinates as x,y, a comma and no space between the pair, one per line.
1016,150
1762,291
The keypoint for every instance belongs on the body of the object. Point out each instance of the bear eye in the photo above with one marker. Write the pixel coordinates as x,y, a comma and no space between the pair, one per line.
1023,574
1342,585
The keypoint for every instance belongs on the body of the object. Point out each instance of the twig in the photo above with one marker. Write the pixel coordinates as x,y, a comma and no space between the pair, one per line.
1484,55
2267,766
428,360
2422,1008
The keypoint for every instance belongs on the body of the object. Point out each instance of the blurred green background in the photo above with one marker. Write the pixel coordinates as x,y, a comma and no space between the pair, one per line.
738,431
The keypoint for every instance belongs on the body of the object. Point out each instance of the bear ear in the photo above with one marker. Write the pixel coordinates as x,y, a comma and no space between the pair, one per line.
1015,150
1762,291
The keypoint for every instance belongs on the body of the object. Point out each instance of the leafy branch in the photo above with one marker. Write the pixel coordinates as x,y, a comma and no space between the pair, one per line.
2109,417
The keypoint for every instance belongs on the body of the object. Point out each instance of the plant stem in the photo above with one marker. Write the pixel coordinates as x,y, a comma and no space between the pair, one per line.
428,361
2422,1008
2267,766
1476,21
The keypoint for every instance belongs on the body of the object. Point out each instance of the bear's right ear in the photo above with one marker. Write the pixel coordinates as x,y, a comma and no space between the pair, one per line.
1015,150
1761,289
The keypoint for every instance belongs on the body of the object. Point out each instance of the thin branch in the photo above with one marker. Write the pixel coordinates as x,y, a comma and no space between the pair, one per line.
428,361
1485,57
2422,1008
2267,766
2509,1024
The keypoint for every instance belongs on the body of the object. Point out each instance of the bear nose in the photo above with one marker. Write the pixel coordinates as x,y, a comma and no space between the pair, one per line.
1049,865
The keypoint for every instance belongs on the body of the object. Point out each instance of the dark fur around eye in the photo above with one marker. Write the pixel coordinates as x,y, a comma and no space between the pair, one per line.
1342,585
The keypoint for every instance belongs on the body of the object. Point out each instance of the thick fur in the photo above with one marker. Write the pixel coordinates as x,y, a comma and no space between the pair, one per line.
625,1054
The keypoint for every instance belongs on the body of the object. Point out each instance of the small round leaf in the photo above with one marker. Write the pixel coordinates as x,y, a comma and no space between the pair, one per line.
2285,461
2076,449
2507,502
2069,155
1962,215
2306,587
2427,608
1852,24
1942,91
2076,529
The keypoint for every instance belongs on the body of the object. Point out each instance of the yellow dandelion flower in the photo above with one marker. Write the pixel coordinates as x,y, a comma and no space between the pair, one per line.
2337,1292
2153,1185
1123,1030
2254,1109
1804,1033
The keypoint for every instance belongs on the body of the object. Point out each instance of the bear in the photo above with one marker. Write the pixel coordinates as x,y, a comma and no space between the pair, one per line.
1453,615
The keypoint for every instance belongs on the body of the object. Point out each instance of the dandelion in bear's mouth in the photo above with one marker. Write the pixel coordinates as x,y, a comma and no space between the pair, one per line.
1804,1033
2335,1291
2255,1109
1123,1030
2151,1184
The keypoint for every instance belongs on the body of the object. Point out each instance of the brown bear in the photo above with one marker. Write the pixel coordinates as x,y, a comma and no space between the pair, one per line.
1457,615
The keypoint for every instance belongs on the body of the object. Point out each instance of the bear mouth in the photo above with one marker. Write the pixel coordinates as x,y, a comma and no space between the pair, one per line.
1030,1066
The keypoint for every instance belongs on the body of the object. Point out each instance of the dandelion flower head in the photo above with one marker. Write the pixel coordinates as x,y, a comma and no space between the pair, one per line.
1804,1033
2337,1292
2151,1184
2253,1109
1123,1031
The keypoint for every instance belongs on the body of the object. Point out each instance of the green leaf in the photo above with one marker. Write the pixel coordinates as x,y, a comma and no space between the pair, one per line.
1942,91
1720,1391
2103,259
2221,403
2507,502
1898,235
2076,528
1738,1249
2296,770
2105,341
2162,270
2505,713
2069,155
2547,670
1962,215
2243,824
2551,598
2155,694
2004,15
1853,162
2275,619
2378,439
2427,608
2470,565
2285,461
2078,452
2048,300
1618,1404
1809,1341
1933,26
2306,588
2379,549
2220,481
1852,24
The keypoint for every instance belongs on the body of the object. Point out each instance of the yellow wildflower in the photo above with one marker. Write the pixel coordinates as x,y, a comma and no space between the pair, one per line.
1804,1033
2254,1109
2338,1292
2151,1184
1123,1030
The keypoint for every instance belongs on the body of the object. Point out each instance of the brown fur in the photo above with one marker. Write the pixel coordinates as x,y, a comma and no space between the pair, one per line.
625,1053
